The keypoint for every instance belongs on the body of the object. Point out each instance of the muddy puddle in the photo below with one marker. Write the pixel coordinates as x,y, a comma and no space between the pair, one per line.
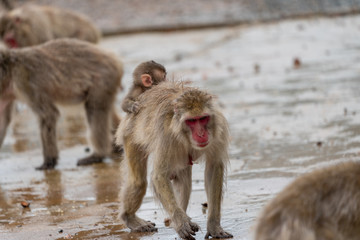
291,94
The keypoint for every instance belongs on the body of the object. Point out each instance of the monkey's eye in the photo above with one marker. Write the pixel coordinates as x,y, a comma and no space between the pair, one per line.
190,120
204,119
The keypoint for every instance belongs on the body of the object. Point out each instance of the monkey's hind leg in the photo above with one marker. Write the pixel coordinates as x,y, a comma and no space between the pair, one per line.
135,189
99,122
93,158
117,151
5,118
48,114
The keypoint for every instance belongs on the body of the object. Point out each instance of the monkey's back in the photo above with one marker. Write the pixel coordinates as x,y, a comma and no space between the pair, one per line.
68,24
157,117
67,69
39,24
324,204
156,101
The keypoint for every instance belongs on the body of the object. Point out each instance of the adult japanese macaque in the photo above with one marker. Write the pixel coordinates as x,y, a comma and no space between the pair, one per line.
7,4
31,25
321,205
145,75
65,72
177,125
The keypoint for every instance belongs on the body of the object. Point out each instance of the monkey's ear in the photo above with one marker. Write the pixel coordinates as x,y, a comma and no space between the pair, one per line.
146,80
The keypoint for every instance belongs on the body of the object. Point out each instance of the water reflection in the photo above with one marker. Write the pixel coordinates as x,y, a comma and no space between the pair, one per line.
4,208
107,182
55,189
115,231
12,214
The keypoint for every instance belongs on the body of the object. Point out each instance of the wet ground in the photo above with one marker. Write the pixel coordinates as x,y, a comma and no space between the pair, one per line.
291,94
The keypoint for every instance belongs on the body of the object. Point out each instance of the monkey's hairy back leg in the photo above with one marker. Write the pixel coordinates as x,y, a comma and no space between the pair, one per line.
5,119
47,114
99,119
135,188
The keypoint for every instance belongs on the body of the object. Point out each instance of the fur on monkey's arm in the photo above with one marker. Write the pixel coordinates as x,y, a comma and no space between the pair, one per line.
130,103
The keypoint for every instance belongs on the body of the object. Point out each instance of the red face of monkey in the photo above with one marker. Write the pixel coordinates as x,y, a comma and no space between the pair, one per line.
9,25
10,40
199,131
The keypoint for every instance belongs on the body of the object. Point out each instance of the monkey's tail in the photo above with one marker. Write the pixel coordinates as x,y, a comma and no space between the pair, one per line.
8,6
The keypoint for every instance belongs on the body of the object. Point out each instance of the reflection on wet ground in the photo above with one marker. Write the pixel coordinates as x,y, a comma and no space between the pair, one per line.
291,93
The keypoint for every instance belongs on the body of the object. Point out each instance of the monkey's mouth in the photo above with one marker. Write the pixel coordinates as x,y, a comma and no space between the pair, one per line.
204,144
11,42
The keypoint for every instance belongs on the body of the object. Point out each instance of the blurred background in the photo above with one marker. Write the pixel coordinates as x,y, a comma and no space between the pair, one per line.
287,77
121,16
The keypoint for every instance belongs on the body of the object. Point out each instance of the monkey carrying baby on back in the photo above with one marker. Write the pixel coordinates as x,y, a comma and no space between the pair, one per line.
179,124
31,25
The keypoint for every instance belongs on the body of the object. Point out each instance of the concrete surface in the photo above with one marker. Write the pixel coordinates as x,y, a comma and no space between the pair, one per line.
285,119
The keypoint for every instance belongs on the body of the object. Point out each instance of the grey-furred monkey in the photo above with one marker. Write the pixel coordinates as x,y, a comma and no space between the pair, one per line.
30,25
320,205
177,124
66,72
145,75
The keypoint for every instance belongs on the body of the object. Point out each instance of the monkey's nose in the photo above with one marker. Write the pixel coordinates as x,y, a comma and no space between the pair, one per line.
201,133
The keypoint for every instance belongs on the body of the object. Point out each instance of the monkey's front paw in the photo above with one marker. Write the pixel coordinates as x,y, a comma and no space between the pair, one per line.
187,230
135,108
90,160
48,164
218,232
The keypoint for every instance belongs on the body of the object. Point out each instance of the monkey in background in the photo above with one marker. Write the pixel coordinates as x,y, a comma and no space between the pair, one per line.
30,25
145,75
66,72
321,205
7,4
177,124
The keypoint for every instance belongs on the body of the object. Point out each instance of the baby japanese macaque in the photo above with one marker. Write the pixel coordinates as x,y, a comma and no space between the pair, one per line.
145,75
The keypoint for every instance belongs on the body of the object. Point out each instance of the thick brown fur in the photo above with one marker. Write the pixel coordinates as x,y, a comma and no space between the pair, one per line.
156,73
7,4
159,129
31,25
321,205
66,72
